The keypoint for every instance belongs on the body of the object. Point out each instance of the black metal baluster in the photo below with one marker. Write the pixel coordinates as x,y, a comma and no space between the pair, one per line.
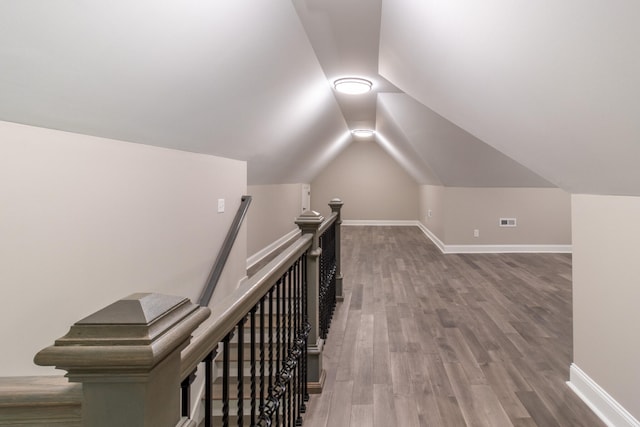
290,335
294,380
321,287
298,310
305,315
240,371
208,392
262,354
185,395
296,342
271,361
253,365
225,380
278,341
285,343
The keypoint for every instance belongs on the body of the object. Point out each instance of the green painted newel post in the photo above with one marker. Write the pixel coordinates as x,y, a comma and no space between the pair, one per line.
127,357
309,222
336,206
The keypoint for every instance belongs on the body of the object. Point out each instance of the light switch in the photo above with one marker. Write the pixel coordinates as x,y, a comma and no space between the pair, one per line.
220,205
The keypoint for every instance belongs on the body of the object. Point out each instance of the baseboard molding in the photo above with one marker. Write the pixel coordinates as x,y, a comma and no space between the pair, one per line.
600,402
432,237
264,252
492,249
314,387
507,249
379,222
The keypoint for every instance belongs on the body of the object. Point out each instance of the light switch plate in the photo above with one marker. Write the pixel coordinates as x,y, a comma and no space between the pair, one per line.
220,205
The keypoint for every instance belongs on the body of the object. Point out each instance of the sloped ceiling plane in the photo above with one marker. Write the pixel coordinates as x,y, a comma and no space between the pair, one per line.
465,93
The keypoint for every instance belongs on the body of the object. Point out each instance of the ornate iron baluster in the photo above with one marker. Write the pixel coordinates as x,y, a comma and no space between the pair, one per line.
307,327
240,372
278,343
225,379
253,364
262,370
208,392
294,314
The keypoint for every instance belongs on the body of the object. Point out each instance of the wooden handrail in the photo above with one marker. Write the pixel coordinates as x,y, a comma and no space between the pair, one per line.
327,222
229,311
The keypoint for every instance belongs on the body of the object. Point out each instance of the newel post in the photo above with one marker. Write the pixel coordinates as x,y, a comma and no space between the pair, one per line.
127,357
309,222
336,206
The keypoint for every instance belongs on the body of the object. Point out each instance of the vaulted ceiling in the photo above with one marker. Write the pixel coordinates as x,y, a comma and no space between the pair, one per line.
498,93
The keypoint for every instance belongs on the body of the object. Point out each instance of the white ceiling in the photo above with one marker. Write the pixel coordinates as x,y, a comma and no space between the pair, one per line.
555,85
488,86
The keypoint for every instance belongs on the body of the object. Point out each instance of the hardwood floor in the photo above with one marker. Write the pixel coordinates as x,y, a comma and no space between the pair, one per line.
424,339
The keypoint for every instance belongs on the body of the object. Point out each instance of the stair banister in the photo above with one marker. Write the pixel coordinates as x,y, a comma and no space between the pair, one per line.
132,356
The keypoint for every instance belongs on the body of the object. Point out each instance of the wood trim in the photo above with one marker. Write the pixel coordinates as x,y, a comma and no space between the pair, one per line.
46,401
601,403
269,249
315,387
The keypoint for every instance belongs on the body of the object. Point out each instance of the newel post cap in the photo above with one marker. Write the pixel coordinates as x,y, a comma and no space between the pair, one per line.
335,204
133,334
309,221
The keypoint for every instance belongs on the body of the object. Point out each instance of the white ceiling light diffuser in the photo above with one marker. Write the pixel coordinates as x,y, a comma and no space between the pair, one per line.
363,133
352,85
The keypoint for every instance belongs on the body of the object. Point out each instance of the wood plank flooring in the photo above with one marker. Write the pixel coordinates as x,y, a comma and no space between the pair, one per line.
424,339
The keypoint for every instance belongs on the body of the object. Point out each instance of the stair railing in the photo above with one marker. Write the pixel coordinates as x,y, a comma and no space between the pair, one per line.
137,358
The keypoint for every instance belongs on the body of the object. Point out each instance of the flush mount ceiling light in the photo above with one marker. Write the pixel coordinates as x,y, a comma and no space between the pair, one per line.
352,85
363,133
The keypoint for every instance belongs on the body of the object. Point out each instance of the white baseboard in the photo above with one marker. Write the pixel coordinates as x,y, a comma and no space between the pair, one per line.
432,237
262,253
507,249
379,222
464,249
600,402
492,249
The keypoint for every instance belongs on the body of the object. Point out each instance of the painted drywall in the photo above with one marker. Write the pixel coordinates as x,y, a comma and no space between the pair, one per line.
272,214
371,184
431,201
543,216
606,294
86,221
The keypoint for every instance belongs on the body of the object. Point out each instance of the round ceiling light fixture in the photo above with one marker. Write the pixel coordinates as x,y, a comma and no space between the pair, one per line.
363,133
353,85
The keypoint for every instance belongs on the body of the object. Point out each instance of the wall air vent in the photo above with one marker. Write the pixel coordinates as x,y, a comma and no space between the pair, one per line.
507,222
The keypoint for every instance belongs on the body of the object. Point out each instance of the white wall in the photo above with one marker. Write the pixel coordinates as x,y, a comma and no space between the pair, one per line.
272,214
606,294
371,184
85,221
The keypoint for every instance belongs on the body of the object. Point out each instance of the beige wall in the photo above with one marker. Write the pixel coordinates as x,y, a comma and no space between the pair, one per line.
272,213
370,183
543,216
431,198
85,221
606,294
